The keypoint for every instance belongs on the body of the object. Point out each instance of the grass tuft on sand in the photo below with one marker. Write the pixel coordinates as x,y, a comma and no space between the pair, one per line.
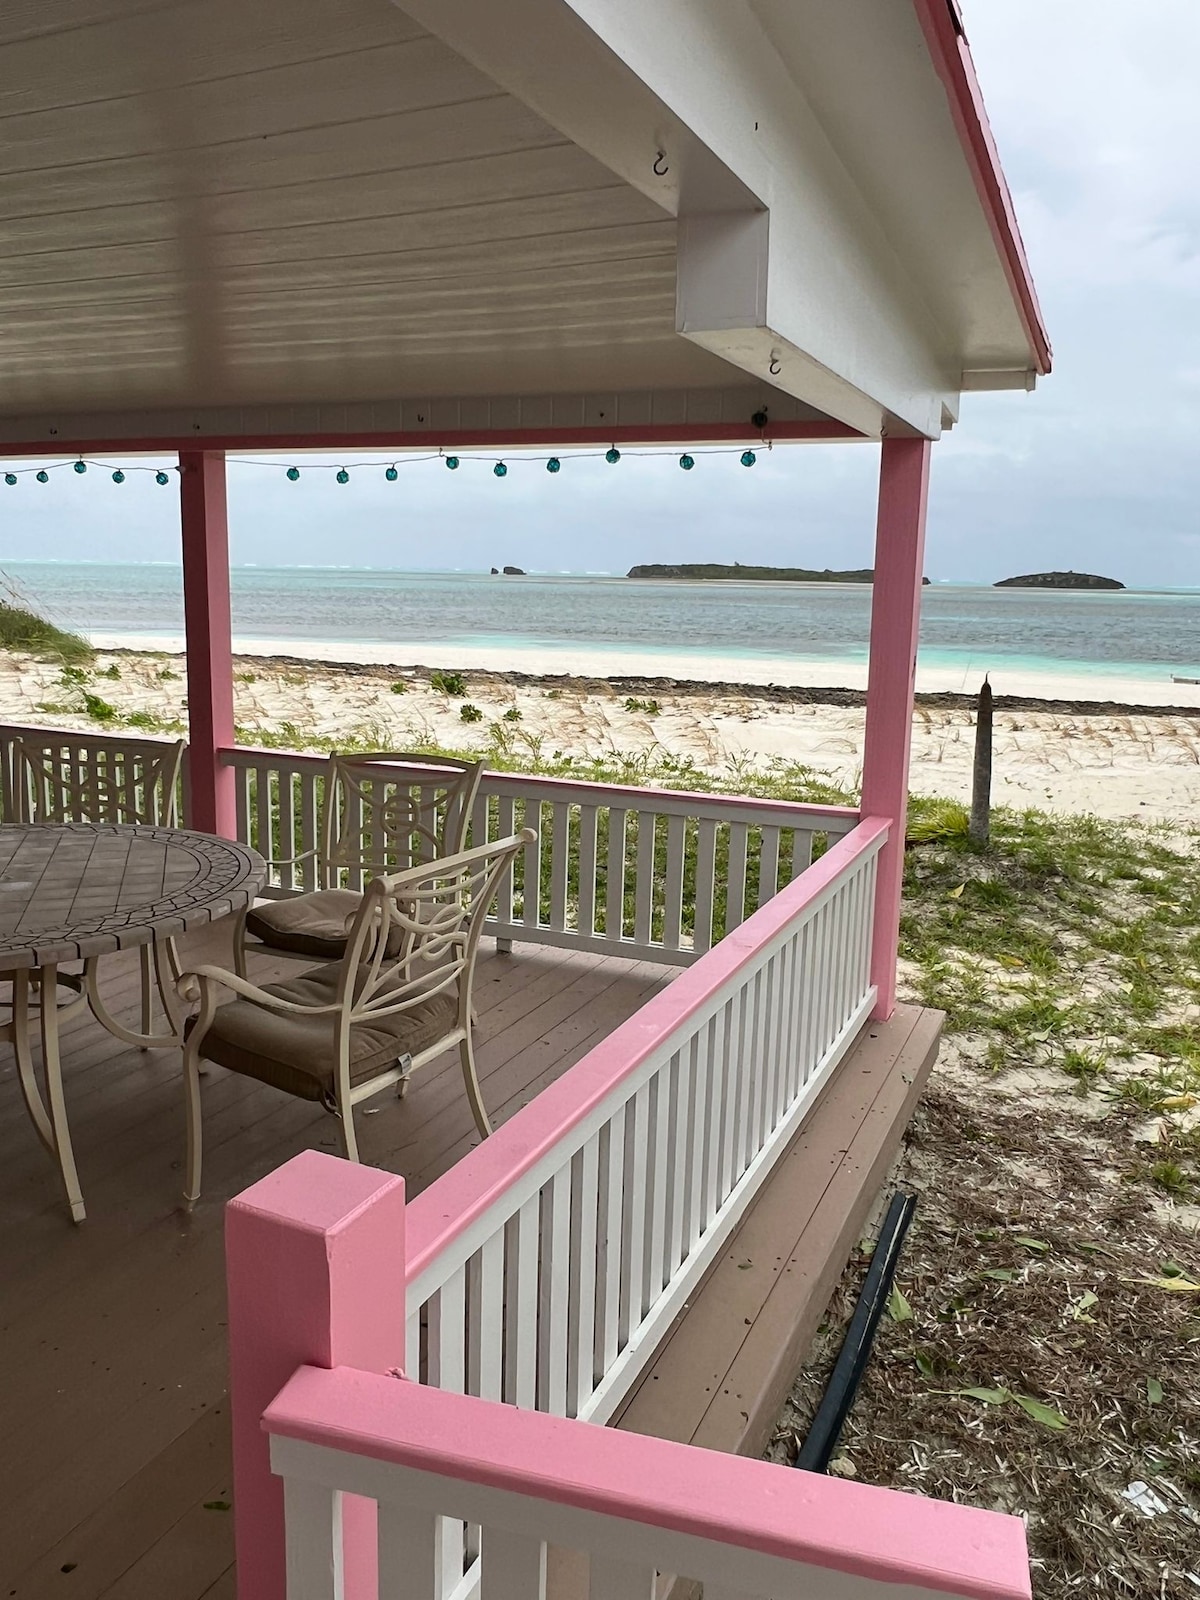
23,630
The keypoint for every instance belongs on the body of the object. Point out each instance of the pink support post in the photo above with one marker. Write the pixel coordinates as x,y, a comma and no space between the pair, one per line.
316,1274
895,622
205,524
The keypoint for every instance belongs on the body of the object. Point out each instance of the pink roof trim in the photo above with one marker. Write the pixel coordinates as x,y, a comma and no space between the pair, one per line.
941,24
879,1534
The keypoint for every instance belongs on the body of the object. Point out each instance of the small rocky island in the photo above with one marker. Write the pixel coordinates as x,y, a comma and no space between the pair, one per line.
1058,580
510,572
710,570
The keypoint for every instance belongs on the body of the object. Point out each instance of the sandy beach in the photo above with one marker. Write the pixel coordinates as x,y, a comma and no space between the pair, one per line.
1080,745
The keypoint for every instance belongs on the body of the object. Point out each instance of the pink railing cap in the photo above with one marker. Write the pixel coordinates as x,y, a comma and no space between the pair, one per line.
872,1533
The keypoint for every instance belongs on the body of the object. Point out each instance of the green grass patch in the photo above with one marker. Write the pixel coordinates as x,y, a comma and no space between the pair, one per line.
23,630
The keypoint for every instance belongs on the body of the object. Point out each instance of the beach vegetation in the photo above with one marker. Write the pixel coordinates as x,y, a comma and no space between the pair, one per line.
512,714
448,683
23,630
648,708
398,687
245,677
470,713
111,671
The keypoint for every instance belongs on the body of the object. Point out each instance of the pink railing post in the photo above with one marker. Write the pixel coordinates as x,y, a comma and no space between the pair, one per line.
205,528
895,622
316,1275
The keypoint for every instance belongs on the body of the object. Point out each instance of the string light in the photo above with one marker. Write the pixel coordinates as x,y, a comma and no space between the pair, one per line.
552,464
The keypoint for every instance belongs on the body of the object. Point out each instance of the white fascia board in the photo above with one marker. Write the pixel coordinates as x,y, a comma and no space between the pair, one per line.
836,320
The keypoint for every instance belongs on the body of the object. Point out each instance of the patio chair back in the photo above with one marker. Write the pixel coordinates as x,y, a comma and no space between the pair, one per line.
73,780
387,812
416,933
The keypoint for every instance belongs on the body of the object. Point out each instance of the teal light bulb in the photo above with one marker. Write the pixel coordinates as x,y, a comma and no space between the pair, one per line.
81,466
554,464
43,477
342,475
748,458
161,478
687,463
452,463
500,469
391,474
118,476
612,456
293,474
10,478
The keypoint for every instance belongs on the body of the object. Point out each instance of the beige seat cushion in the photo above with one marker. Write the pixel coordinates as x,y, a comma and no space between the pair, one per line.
314,924
296,1053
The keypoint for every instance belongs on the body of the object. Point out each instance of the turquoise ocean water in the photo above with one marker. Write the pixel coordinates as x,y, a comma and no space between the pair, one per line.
1144,634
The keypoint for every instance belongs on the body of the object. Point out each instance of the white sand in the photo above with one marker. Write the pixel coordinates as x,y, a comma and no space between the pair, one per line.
1113,763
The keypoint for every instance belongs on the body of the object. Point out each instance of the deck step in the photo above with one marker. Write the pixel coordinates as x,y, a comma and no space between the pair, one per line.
720,1377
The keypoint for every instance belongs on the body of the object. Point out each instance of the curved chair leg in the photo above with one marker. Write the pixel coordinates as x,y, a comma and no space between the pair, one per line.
349,1139
195,1124
239,942
147,994
471,1079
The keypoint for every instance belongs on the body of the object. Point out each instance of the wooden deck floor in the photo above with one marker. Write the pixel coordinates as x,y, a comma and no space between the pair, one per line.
114,1479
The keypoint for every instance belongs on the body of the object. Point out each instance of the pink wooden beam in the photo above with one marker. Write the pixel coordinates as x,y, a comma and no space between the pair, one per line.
205,525
895,622
924,1547
315,1266
457,439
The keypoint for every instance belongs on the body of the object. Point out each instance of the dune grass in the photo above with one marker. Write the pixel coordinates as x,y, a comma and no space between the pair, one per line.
23,630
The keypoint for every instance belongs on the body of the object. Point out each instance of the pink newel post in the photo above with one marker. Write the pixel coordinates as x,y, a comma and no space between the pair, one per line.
895,621
316,1272
205,527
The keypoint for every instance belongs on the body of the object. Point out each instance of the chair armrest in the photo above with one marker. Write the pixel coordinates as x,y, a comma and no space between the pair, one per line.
291,861
193,984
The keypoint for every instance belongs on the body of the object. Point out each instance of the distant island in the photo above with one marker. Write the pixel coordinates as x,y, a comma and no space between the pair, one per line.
510,572
1058,580
717,569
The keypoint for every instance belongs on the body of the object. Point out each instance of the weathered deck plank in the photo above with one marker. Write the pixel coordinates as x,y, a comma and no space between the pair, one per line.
112,1350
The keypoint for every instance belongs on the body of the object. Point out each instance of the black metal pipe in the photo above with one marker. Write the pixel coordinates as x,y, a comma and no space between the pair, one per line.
815,1453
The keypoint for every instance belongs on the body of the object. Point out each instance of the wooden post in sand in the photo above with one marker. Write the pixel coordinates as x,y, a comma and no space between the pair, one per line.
980,825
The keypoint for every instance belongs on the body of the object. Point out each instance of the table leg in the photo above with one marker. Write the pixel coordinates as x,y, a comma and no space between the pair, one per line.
26,1075
165,964
54,1093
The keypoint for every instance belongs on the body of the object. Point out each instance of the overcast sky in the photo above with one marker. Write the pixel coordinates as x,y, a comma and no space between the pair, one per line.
1096,111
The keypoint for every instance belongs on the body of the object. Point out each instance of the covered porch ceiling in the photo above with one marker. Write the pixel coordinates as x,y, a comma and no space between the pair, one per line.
232,223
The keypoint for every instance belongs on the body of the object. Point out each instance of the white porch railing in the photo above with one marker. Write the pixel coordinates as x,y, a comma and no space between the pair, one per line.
619,1511
652,874
544,1268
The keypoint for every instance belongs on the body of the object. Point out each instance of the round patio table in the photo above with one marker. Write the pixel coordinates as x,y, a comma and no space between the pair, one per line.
77,891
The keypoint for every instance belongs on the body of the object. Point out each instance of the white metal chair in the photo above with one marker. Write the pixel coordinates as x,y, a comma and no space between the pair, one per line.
382,813
339,1034
67,778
